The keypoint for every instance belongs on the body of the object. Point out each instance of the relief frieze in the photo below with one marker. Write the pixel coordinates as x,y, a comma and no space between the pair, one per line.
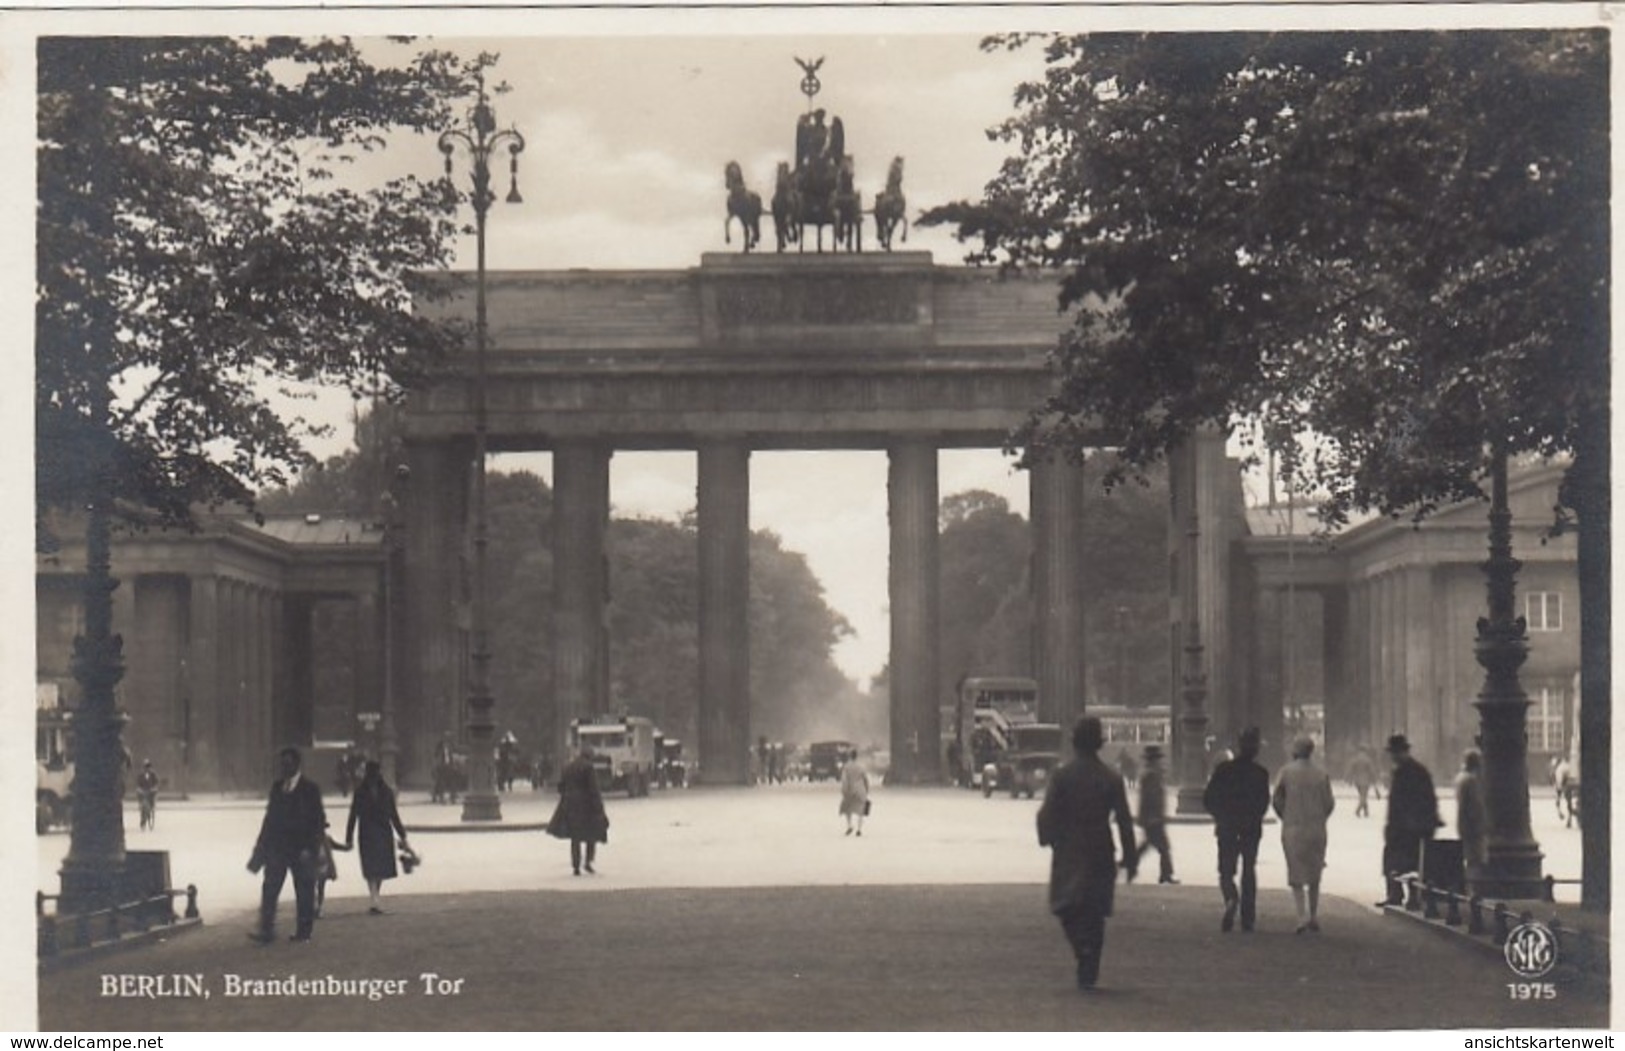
841,300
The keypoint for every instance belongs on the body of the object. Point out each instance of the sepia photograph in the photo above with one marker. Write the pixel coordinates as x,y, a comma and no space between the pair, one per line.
772,520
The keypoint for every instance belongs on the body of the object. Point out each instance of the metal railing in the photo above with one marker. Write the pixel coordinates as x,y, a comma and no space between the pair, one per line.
83,930
1496,920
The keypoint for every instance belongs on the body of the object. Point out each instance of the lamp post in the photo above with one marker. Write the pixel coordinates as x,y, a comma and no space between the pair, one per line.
479,140
93,872
1512,868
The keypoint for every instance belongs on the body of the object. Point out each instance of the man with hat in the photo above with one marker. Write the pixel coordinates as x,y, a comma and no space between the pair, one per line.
1237,796
1083,800
1154,814
1413,817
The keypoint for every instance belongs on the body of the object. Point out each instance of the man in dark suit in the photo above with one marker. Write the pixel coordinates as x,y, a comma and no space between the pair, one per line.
1082,801
290,842
1238,795
1413,817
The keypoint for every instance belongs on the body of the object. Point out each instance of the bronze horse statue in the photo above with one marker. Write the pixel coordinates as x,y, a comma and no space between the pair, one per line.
786,208
890,206
743,205
848,208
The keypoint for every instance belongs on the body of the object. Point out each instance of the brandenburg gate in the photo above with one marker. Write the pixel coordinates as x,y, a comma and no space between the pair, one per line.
785,351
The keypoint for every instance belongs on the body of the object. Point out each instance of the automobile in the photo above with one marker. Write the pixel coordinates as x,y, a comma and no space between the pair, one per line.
53,767
825,758
1029,763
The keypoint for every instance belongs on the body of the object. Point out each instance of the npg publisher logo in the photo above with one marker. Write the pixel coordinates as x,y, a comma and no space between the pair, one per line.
1531,950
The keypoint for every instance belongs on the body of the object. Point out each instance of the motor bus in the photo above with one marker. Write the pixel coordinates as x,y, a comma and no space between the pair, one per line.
986,709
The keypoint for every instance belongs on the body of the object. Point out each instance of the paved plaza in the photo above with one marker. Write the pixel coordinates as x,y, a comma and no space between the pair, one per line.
747,909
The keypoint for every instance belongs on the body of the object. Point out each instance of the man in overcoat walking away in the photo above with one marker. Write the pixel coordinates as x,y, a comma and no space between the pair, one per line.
1075,822
1238,795
1413,817
290,840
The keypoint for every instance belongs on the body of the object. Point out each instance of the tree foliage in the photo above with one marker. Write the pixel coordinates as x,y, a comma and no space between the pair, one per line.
201,245
987,611
1394,242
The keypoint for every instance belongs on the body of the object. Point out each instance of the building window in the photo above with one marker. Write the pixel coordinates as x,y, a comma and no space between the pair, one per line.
1543,610
1546,705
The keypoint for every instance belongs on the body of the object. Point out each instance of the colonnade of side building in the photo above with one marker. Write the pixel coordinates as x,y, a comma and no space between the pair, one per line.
579,630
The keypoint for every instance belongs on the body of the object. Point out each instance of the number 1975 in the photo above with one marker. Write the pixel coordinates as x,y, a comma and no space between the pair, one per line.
1531,991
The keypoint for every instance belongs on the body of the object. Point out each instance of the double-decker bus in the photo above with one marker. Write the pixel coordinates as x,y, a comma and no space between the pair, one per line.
986,708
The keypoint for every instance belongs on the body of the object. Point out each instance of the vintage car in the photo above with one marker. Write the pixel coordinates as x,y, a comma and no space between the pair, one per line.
53,767
1027,765
825,759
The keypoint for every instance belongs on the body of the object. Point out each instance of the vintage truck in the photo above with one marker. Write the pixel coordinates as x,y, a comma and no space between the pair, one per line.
624,754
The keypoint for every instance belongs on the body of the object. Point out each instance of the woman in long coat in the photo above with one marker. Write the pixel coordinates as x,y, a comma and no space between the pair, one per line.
854,793
373,811
580,816
1303,801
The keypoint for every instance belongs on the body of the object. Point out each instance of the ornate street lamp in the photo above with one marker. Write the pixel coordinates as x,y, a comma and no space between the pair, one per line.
1512,868
93,872
482,137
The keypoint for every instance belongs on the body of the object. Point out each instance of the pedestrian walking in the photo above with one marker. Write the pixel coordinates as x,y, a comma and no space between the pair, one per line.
1362,773
1128,768
1153,815
580,815
1472,825
1237,795
146,794
1303,801
344,773
374,814
289,843
1083,800
1413,817
854,793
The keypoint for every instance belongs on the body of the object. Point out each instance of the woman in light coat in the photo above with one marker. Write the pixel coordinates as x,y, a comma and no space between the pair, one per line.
1303,801
854,793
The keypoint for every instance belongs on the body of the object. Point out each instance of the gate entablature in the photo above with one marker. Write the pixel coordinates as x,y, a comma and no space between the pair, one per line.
804,351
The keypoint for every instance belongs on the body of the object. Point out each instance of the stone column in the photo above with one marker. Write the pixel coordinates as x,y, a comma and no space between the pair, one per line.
1269,656
1359,651
202,700
431,591
235,760
259,696
1058,591
1342,734
915,584
279,684
369,679
724,614
1266,709
580,585
1420,697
